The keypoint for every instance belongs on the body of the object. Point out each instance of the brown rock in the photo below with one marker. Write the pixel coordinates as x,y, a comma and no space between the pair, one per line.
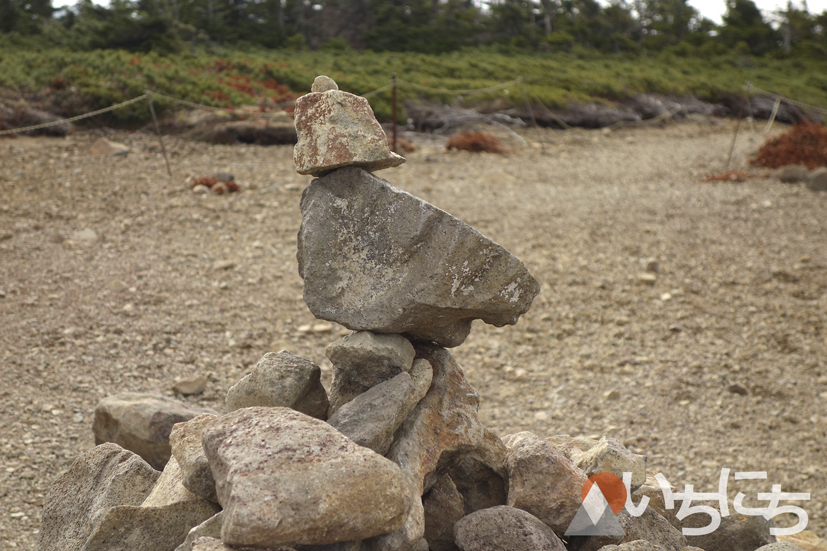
337,129
141,423
480,474
542,481
286,478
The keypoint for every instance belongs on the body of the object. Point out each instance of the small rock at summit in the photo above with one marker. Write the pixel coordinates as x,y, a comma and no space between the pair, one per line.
505,528
610,456
376,258
337,129
817,180
141,422
544,482
281,380
104,477
286,478
185,441
371,418
107,148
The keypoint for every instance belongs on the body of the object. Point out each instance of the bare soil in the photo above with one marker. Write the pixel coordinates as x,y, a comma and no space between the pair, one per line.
720,362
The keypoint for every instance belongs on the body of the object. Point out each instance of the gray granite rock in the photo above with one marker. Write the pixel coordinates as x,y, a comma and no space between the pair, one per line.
780,546
444,506
210,528
215,544
792,174
817,180
405,538
372,418
445,421
104,477
371,358
281,380
337,129
610,456
376,258
637,545
736,533
185,441
141,423
505,528
544,482
286,478
652,527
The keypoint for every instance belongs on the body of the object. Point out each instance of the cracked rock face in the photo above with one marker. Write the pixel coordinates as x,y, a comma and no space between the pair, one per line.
337,129
376,258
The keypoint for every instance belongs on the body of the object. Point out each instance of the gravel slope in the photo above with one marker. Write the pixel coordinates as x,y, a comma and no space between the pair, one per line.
720,363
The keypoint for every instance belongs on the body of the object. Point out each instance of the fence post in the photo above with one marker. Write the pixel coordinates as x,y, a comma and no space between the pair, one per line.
158,131
393,112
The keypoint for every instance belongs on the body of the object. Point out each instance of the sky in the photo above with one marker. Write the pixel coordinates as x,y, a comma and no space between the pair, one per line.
711,9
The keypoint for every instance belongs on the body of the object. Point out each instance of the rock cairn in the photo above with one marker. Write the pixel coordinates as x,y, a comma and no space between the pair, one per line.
395,457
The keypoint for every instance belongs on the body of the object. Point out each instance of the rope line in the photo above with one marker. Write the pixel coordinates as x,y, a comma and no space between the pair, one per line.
378,90
802,105
73,119
187,103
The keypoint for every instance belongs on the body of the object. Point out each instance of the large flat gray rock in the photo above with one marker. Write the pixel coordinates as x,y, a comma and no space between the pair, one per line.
286,478
376,258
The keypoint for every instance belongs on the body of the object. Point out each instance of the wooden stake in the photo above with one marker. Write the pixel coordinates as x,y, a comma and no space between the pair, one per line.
158,131
393,112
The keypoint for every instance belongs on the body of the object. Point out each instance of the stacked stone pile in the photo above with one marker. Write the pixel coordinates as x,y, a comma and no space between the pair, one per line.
394,457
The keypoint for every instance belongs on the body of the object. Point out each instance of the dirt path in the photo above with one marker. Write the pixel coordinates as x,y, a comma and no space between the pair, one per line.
721,363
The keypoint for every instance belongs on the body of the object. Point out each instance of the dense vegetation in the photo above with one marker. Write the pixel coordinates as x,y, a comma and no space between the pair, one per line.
229,53
427,26
80,81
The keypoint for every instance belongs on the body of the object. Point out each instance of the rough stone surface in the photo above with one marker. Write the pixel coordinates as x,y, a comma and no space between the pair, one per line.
376,258
505,528
281,380
210,528
572,446
444,421
736,533
323,83
286,478
444,506
637,545
610,456
160,523
371,358
652,527
372,418
480,474
651,489
215,544
185,441
141,423
104,477
780,546
337,129
542,481
190,386
817,180
406,537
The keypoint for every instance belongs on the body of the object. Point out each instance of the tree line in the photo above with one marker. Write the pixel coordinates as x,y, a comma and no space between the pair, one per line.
428,26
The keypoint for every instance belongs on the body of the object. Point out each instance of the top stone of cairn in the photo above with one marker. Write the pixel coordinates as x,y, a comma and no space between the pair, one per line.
337,129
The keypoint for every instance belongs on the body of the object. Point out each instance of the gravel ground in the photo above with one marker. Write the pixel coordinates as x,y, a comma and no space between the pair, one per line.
720,362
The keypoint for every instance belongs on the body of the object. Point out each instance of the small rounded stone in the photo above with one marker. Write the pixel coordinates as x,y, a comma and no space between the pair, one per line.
323,84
